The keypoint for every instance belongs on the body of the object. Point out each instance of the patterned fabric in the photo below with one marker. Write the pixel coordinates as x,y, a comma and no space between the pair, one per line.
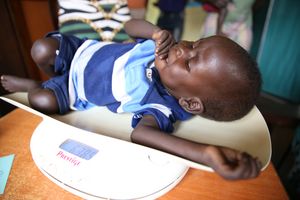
94,19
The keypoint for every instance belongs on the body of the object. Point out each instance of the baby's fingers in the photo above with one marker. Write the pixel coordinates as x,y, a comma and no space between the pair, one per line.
257,167
164,48
162,52
251,166
166,43
161,36
163,56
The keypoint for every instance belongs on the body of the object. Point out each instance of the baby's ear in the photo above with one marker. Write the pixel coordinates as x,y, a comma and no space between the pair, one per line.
192,105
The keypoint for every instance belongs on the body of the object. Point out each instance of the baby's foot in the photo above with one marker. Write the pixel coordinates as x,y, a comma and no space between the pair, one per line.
17,84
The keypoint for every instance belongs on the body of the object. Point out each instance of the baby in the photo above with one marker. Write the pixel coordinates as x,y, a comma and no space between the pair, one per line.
158,80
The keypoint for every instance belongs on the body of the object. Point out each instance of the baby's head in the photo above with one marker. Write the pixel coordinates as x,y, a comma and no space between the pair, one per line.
213,77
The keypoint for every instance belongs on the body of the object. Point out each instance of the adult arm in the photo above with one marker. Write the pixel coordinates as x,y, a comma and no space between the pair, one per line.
228,163
220,22
217,3
222,7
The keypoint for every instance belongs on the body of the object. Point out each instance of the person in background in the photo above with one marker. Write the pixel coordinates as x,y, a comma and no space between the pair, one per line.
231,18
137,8
171,16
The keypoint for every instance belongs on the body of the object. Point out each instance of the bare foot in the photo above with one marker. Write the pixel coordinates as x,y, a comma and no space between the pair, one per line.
18,84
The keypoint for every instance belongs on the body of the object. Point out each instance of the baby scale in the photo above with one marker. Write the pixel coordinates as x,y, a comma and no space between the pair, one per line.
96,166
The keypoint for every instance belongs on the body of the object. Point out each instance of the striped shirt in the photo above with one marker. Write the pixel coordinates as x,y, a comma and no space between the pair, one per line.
122,78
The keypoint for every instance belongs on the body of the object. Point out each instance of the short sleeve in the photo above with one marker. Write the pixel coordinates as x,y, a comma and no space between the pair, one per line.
165,123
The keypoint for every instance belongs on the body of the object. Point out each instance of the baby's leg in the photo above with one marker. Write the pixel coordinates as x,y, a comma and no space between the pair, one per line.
18,84
43,100
43,53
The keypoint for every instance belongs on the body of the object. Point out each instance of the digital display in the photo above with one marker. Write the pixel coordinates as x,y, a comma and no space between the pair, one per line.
79,149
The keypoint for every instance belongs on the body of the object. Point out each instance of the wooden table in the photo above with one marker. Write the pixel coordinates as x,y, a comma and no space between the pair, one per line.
26,182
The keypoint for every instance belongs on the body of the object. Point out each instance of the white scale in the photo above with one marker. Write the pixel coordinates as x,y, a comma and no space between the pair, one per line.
95,166
99,167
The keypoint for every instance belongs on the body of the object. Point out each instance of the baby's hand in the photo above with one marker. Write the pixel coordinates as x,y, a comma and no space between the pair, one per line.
232,164
163,41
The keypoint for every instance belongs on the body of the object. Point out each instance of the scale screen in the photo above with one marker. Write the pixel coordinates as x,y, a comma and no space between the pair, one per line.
78,149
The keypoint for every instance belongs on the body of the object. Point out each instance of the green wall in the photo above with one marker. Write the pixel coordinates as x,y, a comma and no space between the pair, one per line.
279,50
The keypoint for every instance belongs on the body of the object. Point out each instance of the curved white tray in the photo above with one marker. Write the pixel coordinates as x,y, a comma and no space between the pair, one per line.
248,134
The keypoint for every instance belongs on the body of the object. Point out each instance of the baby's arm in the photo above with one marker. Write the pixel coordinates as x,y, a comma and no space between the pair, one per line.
228,163
138,28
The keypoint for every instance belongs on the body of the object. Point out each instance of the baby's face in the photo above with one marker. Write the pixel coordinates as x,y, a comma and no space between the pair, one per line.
195,68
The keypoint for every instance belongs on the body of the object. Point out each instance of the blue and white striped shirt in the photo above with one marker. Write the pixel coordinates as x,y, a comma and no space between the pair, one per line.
121,77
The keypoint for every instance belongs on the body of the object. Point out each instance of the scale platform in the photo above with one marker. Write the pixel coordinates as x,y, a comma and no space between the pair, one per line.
89,153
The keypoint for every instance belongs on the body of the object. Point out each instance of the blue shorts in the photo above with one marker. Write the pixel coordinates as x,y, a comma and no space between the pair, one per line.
59,84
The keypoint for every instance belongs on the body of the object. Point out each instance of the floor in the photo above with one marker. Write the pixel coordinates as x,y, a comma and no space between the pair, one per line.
5,107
